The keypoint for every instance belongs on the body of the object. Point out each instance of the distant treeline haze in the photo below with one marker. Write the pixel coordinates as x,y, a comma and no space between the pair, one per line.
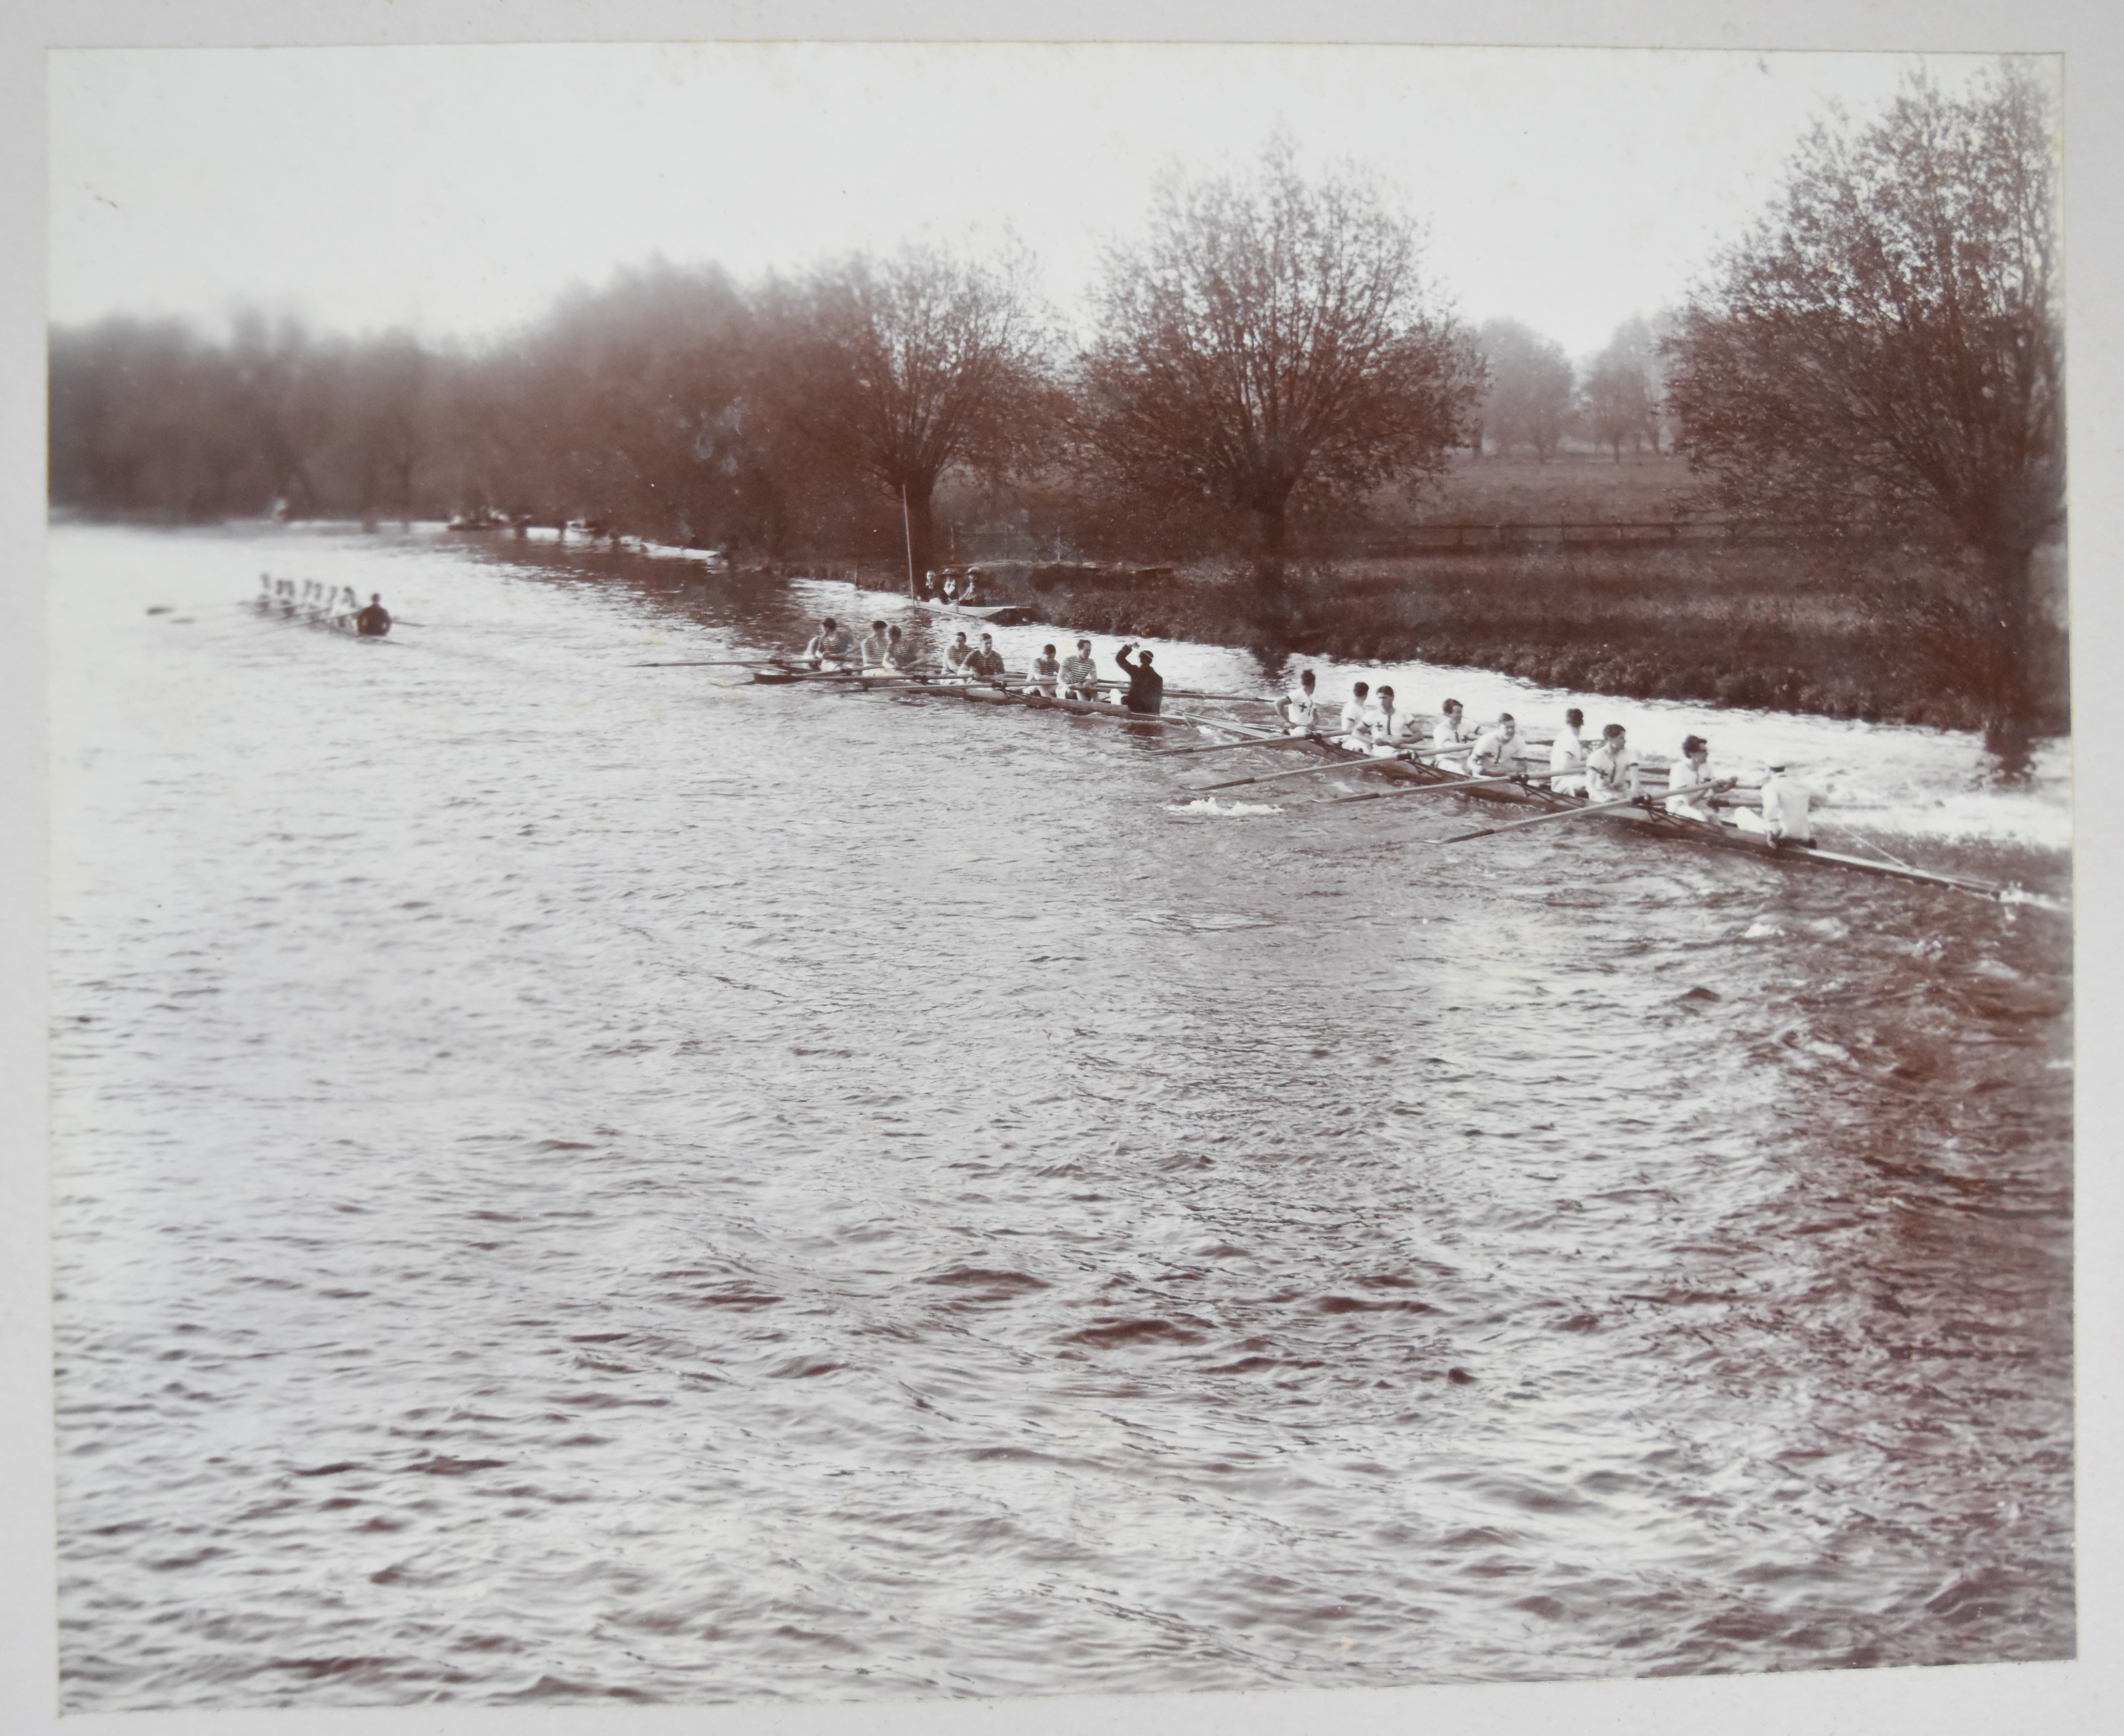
1267,371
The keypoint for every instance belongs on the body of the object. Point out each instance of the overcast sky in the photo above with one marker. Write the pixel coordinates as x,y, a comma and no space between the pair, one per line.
456,190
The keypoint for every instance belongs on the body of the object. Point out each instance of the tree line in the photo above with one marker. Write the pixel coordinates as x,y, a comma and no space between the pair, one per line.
1881,352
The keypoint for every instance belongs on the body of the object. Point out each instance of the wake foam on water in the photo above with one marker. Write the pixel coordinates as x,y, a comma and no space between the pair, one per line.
1211,805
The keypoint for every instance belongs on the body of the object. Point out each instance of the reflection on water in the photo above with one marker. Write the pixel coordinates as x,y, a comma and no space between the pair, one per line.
579,1180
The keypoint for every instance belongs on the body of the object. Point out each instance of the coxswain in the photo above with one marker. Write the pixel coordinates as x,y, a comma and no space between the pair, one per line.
374,621
1356,731
1497,750
1045,672
1392,731
898,651
1690,784
1450,738
958,655
987,662
832,643
1788,815
1567,756
1297,708
1080,674
1146,687
1611,769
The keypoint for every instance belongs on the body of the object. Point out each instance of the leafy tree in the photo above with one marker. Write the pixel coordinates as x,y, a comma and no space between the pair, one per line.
1883,353
1270,341
1528,402
1619,399
902,369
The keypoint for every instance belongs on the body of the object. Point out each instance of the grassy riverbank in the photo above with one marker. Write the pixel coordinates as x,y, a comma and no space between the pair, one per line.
1803,627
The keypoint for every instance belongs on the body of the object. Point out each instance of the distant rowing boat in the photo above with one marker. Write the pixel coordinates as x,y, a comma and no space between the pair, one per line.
311,615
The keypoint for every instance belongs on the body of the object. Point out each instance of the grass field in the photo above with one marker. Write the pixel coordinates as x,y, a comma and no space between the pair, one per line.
1575,488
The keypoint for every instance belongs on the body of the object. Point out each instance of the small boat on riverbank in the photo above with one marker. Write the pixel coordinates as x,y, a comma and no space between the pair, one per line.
997,614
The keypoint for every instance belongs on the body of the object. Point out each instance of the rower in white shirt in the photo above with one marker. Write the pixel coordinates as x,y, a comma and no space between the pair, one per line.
1450,738
957,654
1297,708
1611,769
1045,673
1080,674
1392,731
1357,731
874,649
832,647
1788,815
1567,756
1497,750
1691,783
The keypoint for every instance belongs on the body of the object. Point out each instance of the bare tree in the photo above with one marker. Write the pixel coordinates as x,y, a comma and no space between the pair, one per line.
1271,339
1528,400
905,368
1883,352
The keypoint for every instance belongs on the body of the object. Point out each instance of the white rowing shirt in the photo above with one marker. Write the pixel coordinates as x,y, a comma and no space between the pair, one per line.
1688,789
1788,805
1356,722
1494,751
1299,706
1391,731
1608,774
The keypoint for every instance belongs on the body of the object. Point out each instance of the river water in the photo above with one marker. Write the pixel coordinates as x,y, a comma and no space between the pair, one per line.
575,1180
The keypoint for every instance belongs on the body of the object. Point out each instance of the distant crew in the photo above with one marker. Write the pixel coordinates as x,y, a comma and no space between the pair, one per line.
987,662
1298,707
1146,687
1691,784
1046,673
1080,674
1611,769
374,621
1567,756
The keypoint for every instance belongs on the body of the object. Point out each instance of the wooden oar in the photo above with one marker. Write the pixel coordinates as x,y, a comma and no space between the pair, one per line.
1259,741
1353,764
721,663
1458,783
1618,805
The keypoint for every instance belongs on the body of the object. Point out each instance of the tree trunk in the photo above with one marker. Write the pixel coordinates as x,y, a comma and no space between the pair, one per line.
919,525
2009,634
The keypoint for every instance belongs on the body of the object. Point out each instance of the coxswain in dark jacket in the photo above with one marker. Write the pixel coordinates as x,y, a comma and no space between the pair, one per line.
374,621
1146,691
